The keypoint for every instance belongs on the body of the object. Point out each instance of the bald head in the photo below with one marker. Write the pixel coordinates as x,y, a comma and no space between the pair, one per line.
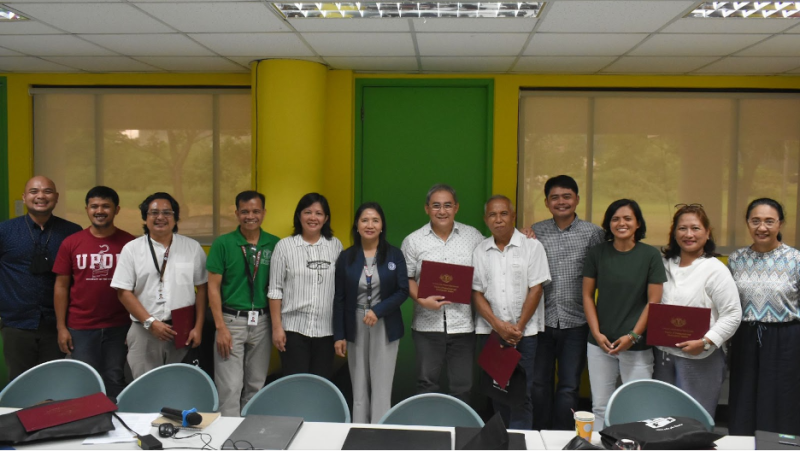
40,197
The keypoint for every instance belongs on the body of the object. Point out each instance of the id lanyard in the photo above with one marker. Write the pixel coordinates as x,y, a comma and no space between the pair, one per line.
368,273
251,277
163,267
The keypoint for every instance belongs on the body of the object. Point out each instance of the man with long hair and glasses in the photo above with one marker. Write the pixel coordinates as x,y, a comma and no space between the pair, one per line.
158,273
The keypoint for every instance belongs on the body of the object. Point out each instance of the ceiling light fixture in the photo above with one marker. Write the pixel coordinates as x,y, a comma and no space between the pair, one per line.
408,9
761,10
6,14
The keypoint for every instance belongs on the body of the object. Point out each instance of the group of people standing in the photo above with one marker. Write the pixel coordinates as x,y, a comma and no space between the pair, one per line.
577,293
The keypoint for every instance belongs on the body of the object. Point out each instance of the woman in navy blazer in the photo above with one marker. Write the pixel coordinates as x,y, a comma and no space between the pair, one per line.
371,285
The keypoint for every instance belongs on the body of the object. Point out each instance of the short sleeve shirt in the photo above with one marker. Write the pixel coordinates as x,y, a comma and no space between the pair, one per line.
91,262
424,244
768,283
226,258
622,279
504,277
186,268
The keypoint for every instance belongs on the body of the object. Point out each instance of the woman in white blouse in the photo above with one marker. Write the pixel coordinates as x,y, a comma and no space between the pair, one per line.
695,278
301,287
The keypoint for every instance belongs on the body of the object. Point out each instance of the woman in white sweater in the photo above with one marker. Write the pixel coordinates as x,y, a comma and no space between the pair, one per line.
695,278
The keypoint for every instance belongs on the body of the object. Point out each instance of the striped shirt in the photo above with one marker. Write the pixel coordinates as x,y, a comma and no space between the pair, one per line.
302,276
423,244
566,250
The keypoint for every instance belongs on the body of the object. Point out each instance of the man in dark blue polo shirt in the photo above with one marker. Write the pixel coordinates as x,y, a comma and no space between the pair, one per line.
28,248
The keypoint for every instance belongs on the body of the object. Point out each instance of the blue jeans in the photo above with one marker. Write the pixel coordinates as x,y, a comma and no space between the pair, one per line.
521,416
105,351
568,348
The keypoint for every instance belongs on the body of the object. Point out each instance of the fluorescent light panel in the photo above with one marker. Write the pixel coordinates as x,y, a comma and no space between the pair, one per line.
6,14
407,9
760,10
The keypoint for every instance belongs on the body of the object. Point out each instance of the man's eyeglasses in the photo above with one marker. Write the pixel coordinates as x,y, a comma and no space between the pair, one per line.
318,265
756,223
157,213
437,206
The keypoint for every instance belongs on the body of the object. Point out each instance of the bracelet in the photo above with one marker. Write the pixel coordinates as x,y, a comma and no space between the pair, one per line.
634,337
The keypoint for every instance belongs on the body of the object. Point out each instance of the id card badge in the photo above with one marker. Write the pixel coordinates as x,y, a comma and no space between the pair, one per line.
252,318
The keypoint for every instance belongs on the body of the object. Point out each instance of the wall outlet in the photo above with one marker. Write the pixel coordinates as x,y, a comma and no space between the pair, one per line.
19,208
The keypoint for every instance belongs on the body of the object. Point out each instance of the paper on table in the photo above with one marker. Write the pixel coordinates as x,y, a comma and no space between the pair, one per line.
139,422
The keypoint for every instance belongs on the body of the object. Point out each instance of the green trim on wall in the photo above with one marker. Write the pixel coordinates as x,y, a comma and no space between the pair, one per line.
362,83
4,201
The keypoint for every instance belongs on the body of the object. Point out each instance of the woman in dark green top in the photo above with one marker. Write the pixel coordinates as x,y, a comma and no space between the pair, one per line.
626,275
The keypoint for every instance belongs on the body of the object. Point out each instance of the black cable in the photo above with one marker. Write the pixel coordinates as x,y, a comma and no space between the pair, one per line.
126,426
237,441
206,442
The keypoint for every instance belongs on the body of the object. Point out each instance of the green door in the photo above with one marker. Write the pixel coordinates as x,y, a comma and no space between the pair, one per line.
412,135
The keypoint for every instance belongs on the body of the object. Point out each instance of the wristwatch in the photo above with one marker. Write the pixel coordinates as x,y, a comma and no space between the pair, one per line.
148,322
706,344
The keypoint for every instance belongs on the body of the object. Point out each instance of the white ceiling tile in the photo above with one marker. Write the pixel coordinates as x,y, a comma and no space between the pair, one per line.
149,44
248,44
752,65
93,17
246,60
795,71
53,45
7,52
657,64
193,1
224,17
30,64
467,64
582,44
470,44
474,25
783,45
696,44
353,25
729,25
611,16
27,27
68,1
361,44
392,63
99,64
192,63
795,29
561,64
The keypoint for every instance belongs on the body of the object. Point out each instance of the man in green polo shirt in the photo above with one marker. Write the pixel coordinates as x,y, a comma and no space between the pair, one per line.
238,275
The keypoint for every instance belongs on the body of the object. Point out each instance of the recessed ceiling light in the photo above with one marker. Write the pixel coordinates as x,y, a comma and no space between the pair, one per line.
6,14
408,9
760,10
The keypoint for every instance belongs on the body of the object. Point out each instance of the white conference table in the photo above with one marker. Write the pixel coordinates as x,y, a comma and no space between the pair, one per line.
320,436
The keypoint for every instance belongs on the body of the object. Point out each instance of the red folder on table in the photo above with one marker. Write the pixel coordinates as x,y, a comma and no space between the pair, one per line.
62,412
454,282
498,361
669,324
183,320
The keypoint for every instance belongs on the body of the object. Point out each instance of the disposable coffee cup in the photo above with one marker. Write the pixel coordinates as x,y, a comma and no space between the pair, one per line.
584,424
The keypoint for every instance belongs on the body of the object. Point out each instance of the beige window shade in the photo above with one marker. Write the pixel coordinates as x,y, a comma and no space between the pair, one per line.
718,149
194,145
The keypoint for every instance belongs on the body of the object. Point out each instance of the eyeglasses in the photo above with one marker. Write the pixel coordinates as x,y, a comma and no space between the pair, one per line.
437,206
157,213
318,265
688,205
756,223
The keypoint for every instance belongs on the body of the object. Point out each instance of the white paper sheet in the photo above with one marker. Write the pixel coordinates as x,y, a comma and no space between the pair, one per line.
139,422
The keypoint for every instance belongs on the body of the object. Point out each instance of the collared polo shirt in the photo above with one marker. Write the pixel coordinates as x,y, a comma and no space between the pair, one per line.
186,269
302,275
226,258
25,298
566,250
504,277
424,244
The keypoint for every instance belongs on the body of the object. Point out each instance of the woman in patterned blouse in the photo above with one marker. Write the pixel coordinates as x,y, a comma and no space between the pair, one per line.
765,353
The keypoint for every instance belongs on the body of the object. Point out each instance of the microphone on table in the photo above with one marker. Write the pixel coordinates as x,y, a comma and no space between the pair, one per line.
186,417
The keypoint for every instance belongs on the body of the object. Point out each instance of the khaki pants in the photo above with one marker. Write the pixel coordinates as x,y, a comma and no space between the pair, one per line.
146,352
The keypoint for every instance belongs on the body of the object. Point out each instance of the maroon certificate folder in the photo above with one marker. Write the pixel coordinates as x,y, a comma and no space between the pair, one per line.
183,320
498,361
62,412
454,282
668,324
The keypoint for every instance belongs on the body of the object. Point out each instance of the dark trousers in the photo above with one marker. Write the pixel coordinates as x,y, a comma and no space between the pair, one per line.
105,350
433,349
521,416
765,378
567,347
23,349
308,355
